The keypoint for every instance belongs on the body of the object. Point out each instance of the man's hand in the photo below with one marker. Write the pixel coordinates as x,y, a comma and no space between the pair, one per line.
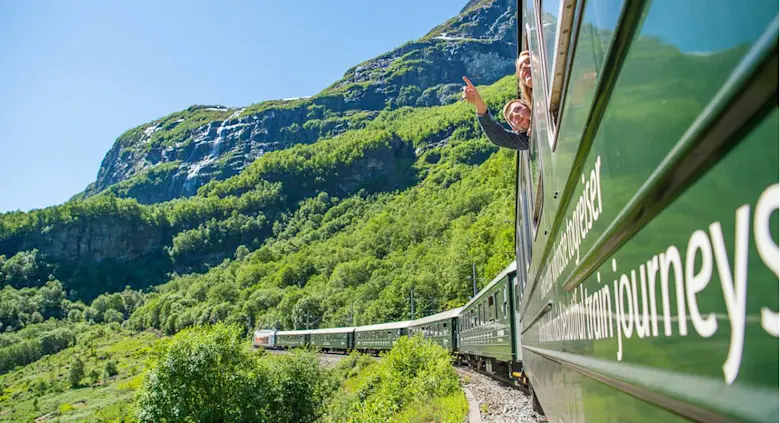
471,95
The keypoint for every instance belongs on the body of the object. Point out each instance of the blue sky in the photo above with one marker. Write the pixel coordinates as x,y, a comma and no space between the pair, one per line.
77,74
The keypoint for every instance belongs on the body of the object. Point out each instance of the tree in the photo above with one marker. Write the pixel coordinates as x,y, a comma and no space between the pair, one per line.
76,372
110,370
94,375
206,374
241,252
36,317
112,315
74,315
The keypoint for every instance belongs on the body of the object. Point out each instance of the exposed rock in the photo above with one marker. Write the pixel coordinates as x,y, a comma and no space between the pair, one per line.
173,156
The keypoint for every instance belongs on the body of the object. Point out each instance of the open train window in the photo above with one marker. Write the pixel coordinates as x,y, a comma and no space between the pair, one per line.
555,28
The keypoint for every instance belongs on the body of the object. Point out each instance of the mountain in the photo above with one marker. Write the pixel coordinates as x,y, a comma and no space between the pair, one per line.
182,193
173,156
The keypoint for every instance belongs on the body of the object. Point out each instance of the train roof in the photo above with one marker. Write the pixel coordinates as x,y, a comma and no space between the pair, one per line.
259,331
510,268
293,332
332,330
449,314
383,326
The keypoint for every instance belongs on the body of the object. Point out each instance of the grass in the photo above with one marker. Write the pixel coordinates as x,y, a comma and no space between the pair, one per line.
450,409
42,388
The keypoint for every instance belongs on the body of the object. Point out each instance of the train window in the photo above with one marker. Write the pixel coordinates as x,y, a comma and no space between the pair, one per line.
490,301
506,299
555,29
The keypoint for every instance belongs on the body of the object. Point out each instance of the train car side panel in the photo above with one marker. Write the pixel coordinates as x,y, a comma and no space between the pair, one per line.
485,327
633,286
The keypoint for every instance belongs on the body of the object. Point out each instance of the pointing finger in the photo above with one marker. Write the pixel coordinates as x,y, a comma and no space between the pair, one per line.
468,83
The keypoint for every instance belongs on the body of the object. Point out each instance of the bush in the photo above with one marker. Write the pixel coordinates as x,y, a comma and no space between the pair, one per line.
110,370
76,372
205,374
209,374
301,386
415,377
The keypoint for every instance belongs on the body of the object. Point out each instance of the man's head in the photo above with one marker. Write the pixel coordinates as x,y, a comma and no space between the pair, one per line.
518,114
523,69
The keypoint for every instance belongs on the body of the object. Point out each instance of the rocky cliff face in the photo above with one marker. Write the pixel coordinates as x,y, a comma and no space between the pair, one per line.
173,156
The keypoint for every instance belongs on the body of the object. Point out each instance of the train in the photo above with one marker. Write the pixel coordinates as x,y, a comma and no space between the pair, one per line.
480,334
646,279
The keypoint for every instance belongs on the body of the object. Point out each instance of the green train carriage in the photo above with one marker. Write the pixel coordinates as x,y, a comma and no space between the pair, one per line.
441,328
292,338
380,337
486,326
332,339
647,224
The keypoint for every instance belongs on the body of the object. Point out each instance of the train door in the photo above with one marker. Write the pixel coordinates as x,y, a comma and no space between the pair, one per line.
522,245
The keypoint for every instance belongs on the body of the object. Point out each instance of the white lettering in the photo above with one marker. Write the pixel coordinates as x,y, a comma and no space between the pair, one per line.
642,326
671,261
652,271
768,203
734,287
696,282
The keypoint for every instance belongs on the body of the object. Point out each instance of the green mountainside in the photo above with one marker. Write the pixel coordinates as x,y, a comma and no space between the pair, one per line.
380,182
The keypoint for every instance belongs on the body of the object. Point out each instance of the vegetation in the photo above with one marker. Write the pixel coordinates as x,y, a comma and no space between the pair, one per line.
44,386
209,374
415,381
300,234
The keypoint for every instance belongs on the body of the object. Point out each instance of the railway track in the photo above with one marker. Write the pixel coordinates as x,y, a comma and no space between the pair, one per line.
499,400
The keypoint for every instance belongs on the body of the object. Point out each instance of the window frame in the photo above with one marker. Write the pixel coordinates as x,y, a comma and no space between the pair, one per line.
565,38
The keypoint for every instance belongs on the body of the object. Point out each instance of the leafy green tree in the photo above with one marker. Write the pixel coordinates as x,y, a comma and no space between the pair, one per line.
110,370
94,376
76,372
74,315
241,252
301,387
206,374
36,317
112,315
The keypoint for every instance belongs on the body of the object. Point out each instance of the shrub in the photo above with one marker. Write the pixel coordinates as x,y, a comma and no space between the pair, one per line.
209,373
301,386
76,372
413,373
205,374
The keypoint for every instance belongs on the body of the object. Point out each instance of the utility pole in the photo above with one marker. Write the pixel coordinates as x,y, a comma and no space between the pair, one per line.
411,301
352,315
474,276
307,320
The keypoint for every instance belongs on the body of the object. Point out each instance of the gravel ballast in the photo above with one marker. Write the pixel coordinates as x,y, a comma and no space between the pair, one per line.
498,403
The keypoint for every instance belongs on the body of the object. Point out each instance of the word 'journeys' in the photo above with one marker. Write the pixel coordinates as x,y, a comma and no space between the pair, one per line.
590,315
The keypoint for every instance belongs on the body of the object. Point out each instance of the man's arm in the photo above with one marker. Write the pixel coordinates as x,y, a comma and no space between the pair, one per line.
500,136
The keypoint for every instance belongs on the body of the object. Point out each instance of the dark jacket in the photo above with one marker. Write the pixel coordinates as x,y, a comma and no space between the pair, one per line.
500,136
